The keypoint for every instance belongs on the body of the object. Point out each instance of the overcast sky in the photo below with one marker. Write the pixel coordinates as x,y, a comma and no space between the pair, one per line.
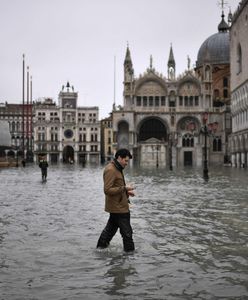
77,40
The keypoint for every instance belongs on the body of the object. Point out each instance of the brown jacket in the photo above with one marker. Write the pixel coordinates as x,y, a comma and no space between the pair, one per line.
116,199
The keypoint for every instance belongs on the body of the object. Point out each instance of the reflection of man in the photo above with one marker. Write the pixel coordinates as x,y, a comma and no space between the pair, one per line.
116,202
43,165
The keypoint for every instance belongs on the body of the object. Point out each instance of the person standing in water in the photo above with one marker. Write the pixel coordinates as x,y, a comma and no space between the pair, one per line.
43,164
117,195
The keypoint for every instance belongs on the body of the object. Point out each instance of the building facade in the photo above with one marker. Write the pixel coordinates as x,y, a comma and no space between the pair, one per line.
66,132
162,118
107,150
239,85
20,120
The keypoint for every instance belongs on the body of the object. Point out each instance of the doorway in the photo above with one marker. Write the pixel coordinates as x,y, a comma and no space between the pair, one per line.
68,154
188,158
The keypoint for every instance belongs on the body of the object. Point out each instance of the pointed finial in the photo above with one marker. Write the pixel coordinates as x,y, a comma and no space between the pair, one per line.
229,18
188,59
150,61
222,4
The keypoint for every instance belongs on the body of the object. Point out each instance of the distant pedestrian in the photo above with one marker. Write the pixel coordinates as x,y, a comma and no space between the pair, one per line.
117,202
23,163
43,164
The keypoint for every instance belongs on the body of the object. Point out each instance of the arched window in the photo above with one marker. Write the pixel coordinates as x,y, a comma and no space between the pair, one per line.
13,126
225,82
207,73
188,140
239,59
217,144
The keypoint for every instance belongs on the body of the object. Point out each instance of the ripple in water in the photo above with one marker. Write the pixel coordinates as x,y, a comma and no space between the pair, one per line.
190,236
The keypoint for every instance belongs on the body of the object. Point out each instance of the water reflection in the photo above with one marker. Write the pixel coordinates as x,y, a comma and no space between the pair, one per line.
190,236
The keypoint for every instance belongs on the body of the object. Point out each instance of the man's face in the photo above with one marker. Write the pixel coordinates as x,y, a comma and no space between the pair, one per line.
123,161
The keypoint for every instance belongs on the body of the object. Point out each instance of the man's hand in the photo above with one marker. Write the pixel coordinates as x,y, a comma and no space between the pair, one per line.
130,190
130,193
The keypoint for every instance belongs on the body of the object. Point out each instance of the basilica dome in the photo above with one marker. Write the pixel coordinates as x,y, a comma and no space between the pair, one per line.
215,49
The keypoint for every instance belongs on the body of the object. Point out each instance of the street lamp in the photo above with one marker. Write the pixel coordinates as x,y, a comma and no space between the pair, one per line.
206,130
170,150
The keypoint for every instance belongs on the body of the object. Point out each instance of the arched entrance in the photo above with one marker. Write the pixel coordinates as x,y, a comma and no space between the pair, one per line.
152,128
151,138
68,154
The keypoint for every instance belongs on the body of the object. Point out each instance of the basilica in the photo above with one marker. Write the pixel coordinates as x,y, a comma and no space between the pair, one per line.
170,120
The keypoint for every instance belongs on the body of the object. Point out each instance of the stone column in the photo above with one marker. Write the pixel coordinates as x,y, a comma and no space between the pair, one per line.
242,160
233,160
238,160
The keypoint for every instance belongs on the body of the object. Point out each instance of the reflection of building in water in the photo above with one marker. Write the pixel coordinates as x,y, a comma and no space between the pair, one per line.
161,118
239,85
67,132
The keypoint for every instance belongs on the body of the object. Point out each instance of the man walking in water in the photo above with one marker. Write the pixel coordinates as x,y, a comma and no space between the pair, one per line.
43,165
116,202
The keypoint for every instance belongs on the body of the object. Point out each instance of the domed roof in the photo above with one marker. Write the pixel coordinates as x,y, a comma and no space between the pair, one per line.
215,49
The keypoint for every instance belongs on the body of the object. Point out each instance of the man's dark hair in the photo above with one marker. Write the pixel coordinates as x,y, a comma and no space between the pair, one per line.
123,153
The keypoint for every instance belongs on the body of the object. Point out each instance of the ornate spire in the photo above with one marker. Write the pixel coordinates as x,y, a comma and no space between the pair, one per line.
189,61
223,26
128,66
171,65
128,55
171,60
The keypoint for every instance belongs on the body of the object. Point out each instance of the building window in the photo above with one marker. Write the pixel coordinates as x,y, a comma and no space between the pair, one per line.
156,101
150,101
138,101
196,100
180,100
163,101
188,140
239,59
217,144
225,82
225,93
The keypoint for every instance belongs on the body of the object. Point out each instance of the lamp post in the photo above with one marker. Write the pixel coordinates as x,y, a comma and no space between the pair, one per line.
207,130
170,150
204,130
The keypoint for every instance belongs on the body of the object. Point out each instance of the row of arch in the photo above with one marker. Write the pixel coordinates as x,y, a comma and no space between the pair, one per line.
161,84
239,143
154,127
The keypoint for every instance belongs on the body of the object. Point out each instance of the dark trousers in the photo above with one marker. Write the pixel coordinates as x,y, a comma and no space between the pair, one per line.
115,221
44,173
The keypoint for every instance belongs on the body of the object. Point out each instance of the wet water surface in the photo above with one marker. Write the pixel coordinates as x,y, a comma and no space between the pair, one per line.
191,236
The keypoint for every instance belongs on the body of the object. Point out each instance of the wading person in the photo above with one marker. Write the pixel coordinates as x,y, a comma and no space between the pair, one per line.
116,202
43,164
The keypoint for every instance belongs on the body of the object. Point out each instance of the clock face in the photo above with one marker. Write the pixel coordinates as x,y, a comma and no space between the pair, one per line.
68,133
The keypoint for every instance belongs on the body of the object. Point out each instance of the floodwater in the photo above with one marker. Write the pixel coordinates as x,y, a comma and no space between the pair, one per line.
191,236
